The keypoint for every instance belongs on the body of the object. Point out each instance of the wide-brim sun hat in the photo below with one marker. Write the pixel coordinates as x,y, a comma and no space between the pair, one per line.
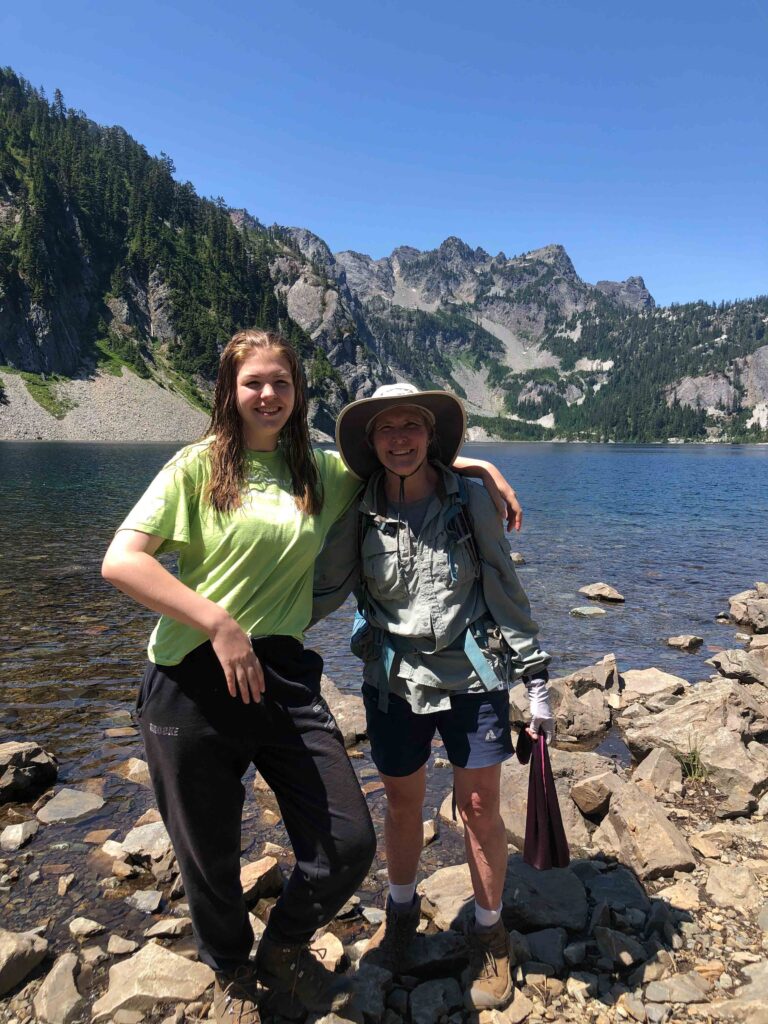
444,410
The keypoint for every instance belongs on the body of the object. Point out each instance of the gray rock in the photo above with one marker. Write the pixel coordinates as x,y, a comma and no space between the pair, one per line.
750,608
679,988
447,896
439,955
601,592
435,1000
261,878
649,842
749,1001
15,836
548,946
592,795
543,899
145,900
719,723
661,768
152,976
69,805
618,889
148,842
581,985
640,684
84,928
370,985
20,953
133,770
686,642
602,676
57,1000
118,946
169,928
738,804
586,611
579,718
620,949
732,885
746,666
25,770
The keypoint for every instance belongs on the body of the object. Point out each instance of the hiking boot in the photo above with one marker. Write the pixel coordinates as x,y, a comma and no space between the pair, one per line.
389,944
234,997
487,980
292,971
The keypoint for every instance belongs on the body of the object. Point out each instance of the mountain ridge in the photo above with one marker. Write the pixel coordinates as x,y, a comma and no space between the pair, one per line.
107,260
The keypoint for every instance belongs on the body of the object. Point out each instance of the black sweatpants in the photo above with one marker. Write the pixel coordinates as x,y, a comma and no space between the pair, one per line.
200,742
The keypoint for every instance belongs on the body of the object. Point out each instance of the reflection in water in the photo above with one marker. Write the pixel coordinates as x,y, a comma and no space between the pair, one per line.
676,530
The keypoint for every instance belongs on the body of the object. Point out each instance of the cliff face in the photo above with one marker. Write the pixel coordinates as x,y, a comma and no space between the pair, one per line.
42,333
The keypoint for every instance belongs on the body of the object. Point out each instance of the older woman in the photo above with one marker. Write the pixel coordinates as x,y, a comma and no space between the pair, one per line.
446,628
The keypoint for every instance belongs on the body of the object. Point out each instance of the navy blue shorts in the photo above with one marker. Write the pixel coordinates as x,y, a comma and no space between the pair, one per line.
475,732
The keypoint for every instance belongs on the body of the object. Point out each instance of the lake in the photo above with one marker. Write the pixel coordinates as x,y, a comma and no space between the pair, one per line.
676,529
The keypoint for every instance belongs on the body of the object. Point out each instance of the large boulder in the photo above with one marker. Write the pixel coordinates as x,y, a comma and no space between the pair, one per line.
749,1001
25,770
662,769
644,683
543,899
718,722
746,666
579,718
648,841
750,608
57,1000
20,953
154,975
603,676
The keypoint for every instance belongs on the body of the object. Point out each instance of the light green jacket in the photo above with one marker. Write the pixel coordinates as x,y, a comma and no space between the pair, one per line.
413,594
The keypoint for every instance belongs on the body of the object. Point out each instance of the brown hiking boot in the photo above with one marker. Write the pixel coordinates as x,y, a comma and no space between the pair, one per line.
234,997
292,971
487,980
389,944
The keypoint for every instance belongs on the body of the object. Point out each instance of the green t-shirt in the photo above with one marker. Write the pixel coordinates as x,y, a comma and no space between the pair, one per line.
256,562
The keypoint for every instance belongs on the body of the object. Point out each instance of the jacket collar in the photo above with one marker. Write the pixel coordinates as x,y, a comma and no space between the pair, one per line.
373,502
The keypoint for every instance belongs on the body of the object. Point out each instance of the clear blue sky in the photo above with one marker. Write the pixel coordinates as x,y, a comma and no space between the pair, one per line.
636,135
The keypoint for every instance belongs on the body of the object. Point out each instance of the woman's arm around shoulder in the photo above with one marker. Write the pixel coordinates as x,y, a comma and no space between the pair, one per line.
502,493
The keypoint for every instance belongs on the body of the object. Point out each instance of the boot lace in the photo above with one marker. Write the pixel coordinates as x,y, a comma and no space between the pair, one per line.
238,991
309,975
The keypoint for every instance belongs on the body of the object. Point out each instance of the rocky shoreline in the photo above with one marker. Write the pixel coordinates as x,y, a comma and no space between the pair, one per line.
662,915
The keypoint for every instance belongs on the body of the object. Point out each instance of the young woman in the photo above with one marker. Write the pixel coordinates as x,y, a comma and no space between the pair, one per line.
448,627
229,682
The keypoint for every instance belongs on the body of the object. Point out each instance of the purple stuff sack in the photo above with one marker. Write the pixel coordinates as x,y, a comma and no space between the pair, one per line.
545,844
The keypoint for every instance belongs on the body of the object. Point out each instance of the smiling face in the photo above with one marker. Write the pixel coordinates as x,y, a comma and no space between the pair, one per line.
400,437
265,397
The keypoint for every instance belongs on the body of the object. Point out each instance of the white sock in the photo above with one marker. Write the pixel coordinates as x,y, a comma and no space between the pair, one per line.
486,918
402,894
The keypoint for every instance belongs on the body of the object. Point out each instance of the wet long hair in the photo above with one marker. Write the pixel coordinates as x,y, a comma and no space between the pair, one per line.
227,451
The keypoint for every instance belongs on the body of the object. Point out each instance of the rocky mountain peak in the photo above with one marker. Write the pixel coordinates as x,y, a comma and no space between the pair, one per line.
631,293
555,256
242,219
311,246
